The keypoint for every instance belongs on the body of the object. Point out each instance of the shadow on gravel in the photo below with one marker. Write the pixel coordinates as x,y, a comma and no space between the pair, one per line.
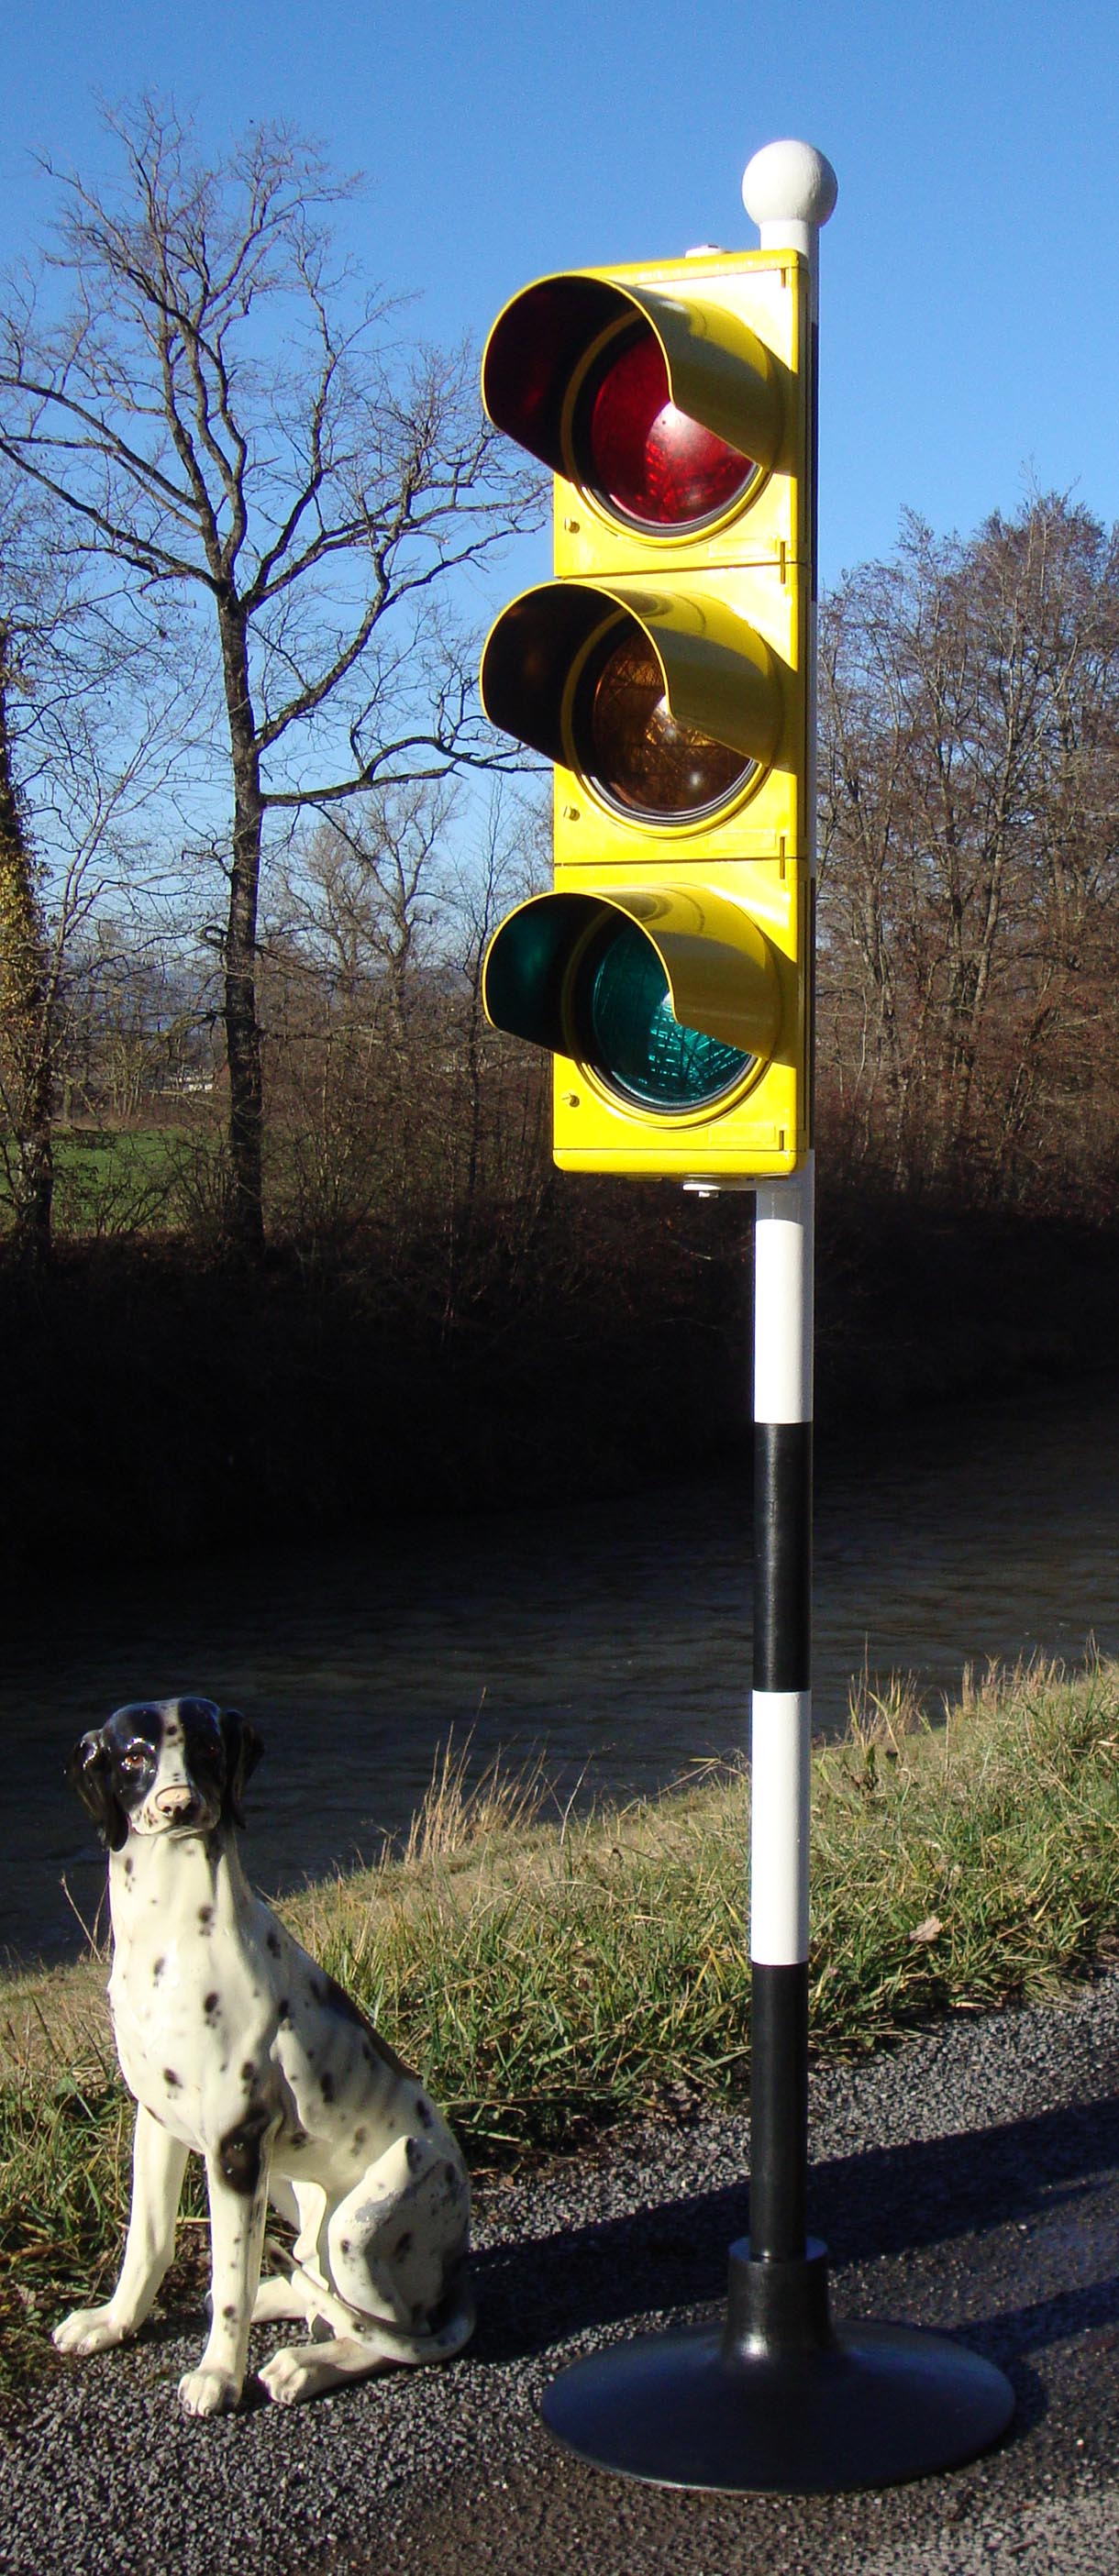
1039,2176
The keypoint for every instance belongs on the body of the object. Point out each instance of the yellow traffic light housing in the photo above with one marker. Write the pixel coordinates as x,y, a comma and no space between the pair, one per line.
665,674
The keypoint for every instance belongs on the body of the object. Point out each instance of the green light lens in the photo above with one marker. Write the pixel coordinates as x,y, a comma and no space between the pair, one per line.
629,1035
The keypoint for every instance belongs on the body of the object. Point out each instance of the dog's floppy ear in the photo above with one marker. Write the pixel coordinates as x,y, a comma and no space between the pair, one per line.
89,1771
243,1749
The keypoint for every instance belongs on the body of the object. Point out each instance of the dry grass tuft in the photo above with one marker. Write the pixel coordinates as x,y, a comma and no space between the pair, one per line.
456,1814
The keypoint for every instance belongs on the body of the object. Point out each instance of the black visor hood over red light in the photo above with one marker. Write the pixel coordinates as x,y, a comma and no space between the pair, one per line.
626,395
534,348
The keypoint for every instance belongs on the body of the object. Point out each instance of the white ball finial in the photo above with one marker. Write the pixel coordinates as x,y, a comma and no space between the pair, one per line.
789,190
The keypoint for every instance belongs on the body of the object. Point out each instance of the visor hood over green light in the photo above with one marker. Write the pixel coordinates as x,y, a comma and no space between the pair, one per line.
596,979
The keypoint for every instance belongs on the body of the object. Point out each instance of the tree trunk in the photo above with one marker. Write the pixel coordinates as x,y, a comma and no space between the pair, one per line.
26,1083
245,1207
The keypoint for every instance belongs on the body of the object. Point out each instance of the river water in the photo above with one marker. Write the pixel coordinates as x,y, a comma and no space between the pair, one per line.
614,1640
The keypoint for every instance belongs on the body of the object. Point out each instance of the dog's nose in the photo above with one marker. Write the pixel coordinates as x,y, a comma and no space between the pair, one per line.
175,1802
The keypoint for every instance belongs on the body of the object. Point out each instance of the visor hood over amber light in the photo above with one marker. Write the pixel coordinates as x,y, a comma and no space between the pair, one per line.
721,685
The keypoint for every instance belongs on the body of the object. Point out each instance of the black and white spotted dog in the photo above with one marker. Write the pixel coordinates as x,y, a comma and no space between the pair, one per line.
236,2044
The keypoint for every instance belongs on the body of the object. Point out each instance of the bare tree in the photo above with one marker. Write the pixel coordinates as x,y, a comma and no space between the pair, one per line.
26,1086
970,791
354,1007
88,691
511,859
392,1099
362,897
226,416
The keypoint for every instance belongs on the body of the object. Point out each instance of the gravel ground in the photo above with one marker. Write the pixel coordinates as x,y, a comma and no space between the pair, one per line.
968,2180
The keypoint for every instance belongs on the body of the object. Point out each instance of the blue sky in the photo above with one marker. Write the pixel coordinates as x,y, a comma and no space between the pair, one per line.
969,273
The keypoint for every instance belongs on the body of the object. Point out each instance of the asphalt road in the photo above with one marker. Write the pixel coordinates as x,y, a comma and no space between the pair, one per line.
968,2181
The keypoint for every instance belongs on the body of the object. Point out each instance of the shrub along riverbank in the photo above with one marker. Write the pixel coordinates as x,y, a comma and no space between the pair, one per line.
554,1978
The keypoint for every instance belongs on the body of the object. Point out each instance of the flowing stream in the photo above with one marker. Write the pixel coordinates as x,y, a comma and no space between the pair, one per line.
613,1640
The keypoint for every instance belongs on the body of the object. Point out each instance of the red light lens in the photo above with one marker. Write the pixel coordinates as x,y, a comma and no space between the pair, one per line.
648,461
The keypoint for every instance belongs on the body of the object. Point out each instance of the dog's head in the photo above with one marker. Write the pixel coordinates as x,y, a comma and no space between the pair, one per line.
164,1766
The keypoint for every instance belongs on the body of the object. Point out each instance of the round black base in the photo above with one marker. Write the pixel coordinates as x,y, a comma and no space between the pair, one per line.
778,2398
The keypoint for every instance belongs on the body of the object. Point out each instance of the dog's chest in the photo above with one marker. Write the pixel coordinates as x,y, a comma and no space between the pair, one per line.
184,1994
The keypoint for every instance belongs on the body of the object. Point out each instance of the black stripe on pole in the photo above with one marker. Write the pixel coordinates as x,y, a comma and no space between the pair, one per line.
778,2112
782,1556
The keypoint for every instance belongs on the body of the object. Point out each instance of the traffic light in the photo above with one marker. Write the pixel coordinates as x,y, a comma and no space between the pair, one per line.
665,673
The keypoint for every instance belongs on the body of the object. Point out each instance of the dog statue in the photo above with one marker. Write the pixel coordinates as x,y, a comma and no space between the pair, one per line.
235,2043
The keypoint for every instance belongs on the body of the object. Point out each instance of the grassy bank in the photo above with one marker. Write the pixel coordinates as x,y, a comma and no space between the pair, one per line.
558,1975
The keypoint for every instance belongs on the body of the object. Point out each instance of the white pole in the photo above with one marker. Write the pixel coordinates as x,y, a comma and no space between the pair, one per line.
781,1705
789,189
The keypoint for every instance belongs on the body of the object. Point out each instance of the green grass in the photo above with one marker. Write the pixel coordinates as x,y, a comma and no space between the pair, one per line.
590,1975
109,1182
553,1978
125,1181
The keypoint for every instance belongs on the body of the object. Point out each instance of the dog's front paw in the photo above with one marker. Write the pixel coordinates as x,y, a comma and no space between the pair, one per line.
207,2391
88,2330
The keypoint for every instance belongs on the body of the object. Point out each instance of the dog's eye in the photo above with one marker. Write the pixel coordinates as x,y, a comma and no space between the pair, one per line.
136,1757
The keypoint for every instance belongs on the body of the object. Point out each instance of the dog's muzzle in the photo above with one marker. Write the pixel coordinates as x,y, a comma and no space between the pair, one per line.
177,1809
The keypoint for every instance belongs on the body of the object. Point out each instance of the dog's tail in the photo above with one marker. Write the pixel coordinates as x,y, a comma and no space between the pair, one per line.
446,2330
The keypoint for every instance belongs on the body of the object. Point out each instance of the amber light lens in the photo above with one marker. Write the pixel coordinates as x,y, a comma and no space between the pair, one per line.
629,743
648,461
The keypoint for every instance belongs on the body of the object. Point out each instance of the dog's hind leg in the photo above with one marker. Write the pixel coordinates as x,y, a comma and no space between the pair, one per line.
158,2165
297,2287
396,2259
281,2295
289,2291
398,2236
